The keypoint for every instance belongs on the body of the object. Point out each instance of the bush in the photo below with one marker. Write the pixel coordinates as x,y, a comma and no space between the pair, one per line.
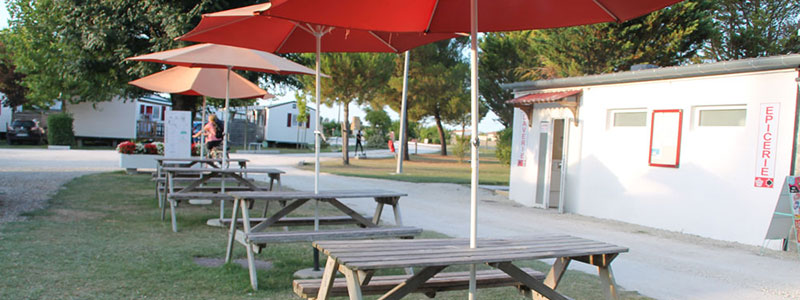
461,148
59,131
503,152
376,140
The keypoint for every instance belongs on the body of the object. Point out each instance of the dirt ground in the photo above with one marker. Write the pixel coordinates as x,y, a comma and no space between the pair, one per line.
660,264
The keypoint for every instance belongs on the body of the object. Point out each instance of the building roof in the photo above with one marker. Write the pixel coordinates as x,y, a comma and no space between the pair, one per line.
155,99
718,68
289,102
542,97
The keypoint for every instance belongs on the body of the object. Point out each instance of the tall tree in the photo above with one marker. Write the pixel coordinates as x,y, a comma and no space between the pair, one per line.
504,58
666,37
355,77
438,85
10,81
754,28
76,48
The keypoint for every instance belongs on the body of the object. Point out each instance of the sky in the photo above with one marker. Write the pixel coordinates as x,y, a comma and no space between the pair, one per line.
488,124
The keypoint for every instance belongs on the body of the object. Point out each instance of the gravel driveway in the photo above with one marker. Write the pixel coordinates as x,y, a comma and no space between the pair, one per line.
28,177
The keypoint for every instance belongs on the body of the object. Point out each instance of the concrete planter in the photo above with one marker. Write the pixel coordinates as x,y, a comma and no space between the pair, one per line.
131,162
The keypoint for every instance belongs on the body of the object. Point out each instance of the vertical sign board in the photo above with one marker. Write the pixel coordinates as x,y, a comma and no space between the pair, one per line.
767,144
665,138
178,134
523,141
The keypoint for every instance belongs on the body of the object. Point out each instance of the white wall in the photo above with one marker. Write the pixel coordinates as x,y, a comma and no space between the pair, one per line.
711,194
277,131
110,119
5,118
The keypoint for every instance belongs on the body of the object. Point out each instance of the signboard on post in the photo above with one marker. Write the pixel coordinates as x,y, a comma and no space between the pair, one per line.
178,134
767,145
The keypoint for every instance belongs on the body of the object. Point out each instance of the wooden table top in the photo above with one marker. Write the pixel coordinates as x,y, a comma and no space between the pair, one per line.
382,254
228,170
327,194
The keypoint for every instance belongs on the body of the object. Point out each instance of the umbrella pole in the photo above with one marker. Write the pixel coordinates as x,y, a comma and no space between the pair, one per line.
473,216
318,36
403,116
202,135
225,125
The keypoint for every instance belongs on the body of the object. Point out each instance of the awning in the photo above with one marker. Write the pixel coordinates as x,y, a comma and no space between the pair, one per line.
542,98
525,103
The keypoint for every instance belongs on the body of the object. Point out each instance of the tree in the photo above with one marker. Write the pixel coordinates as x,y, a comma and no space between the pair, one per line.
504,57
667,37
355,77
754,28
438,85
379,126
75,49
10,81
302,118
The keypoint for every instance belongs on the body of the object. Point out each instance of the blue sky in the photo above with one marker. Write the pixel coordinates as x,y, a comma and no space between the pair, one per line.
334,113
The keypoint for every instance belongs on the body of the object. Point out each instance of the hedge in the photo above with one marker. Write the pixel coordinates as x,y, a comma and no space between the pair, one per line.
59,131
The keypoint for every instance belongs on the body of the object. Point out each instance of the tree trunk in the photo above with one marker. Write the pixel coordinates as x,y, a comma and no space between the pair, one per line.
345,134
439,127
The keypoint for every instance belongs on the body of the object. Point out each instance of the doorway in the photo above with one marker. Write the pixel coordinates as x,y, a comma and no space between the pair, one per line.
552,164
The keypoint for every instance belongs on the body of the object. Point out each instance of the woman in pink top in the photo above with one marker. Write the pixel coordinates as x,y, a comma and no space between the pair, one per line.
210,131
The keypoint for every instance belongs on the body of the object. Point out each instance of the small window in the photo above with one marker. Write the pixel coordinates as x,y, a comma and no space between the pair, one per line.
289,120
714,117
629,118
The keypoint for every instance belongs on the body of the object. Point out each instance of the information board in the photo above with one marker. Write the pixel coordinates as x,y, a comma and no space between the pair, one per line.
178,134
665,138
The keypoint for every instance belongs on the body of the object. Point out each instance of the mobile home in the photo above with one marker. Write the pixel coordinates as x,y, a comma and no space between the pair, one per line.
699,149
120,120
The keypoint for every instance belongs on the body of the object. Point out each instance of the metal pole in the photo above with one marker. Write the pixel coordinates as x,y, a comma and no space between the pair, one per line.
202,135
227,115
403,116
473,215
318,36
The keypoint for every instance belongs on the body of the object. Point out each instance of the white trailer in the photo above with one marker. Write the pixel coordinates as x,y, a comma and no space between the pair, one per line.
281,124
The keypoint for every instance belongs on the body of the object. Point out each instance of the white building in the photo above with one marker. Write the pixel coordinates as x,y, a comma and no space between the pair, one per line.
281,126
120,120
723,132
5,117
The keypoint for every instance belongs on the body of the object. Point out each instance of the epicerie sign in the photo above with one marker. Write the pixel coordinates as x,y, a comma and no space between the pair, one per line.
767,145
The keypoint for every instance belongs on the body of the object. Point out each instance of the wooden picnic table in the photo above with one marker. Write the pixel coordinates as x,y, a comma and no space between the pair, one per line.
358,260
206,174
255,237
160,178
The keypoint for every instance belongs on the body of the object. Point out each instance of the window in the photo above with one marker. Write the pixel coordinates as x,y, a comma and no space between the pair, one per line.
289,120
628,118
721,116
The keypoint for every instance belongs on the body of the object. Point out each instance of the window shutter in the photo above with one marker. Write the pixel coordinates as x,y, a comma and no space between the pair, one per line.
289,120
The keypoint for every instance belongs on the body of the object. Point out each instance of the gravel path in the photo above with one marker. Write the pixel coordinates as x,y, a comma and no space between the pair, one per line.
29,177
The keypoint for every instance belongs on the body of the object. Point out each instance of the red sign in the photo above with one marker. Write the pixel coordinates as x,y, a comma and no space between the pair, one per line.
767,145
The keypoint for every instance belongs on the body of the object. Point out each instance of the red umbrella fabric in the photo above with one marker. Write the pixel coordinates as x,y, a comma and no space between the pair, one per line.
246,27
453,15
200,82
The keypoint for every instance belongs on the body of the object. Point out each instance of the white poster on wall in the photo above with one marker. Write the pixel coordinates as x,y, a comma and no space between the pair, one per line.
522,142
767,145
178,134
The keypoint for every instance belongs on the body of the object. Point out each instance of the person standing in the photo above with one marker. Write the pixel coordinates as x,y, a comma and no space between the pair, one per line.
358,142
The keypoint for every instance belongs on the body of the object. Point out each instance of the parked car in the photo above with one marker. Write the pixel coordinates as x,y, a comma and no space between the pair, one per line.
25,131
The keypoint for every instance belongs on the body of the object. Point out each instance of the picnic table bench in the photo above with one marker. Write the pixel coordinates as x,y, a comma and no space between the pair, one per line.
160,177
358,260
205,176
254,238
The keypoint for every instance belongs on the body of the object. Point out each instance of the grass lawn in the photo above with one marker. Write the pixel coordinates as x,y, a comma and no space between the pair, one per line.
101,238
421,168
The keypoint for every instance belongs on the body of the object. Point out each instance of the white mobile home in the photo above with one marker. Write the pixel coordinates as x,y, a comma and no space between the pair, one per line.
5,117
120,120
700,149
281,126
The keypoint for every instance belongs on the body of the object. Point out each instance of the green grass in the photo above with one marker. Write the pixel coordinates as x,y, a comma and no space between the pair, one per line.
422,168
101,238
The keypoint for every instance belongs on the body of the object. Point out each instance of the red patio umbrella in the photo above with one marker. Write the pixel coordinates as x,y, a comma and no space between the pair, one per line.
228,57
200,82
463,16
252,27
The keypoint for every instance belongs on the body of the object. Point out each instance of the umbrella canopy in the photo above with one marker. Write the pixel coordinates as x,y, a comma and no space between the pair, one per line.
463,16
200,82
249,27
221,56
454,15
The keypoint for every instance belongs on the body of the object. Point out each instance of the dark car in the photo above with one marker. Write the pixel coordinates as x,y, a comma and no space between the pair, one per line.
25,131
